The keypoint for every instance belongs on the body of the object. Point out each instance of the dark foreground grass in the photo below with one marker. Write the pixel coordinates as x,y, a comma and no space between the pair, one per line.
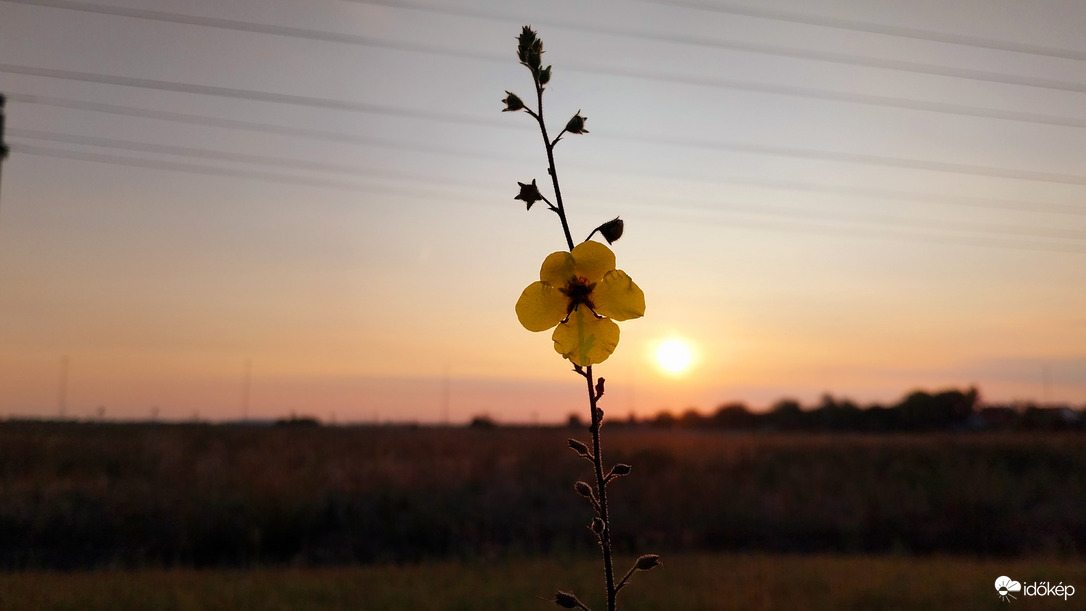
695,582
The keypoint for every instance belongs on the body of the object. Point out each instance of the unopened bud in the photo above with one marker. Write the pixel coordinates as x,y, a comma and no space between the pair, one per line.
526,42
512,103
599,388
597,526
566,600
545,75
612,230
620,469
583,489
578,447
576,124
529,193
648,561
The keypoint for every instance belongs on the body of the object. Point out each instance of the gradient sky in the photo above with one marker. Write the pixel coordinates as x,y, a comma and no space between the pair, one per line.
859,197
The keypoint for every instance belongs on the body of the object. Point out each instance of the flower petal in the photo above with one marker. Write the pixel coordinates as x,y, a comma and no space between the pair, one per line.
541,306
557,269
591,260
617,297
584,339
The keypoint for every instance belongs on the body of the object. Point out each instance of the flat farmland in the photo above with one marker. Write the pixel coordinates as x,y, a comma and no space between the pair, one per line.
88,496
689,582
166,516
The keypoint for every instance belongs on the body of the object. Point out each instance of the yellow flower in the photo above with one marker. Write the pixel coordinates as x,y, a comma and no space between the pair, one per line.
583,294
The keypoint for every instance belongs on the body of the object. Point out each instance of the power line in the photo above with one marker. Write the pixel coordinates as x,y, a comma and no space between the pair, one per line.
753,47
889,220
353,39
791,226
858,158
203,153
190,168
298,164
874,193
431,148
256,127
786,214
253,95
762,12
841,96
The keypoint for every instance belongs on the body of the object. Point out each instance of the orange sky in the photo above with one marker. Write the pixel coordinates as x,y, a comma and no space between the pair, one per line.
812,206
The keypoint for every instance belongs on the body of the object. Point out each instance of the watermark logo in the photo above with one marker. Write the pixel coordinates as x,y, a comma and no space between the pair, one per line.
1006,587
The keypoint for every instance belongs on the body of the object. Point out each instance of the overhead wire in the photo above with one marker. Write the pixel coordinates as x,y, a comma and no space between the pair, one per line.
457,118
641,73
765,12
248,158
191,168
253,95
717,207
778,224
750,47
432,148
451,117
254,126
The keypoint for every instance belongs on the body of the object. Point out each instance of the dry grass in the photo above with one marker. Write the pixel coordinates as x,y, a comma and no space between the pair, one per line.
694,582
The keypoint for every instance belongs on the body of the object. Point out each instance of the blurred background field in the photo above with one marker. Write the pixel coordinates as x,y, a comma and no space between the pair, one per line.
692,582
90,496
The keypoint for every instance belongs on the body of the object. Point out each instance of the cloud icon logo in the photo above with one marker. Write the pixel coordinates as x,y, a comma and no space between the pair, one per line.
1005,585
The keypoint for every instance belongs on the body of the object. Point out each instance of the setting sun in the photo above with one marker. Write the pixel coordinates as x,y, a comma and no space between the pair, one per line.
673,356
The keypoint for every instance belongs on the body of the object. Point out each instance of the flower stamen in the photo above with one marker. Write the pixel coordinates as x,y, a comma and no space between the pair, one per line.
579,291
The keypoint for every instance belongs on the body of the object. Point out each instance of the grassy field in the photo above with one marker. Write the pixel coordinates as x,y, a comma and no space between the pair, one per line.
86,496
690,582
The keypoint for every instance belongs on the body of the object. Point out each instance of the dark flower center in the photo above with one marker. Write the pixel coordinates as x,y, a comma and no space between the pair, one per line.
579,291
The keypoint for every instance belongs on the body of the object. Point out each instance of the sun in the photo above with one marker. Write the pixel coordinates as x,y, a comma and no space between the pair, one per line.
673,355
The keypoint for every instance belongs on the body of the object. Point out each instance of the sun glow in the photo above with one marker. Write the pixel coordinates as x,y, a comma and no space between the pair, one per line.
674,356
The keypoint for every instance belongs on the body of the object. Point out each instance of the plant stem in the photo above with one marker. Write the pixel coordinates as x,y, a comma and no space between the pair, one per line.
550,162
597,459
601,492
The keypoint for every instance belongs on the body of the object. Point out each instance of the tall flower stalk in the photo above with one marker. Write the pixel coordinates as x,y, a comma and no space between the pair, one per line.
580,294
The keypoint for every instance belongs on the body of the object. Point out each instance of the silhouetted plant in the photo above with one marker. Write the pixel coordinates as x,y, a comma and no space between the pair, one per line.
579,294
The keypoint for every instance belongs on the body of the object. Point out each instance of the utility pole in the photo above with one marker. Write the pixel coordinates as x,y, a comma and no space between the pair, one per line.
62,390
3,145
245,386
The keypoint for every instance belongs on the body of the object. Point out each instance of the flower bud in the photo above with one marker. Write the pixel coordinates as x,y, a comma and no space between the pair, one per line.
620,469
512,103
599,388
612,230
578,447
529,193
648,561
526,42
576,124
566,600
597,526
583,489
545,75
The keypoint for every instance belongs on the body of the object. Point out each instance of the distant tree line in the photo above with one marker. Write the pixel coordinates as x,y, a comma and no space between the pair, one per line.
918,411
